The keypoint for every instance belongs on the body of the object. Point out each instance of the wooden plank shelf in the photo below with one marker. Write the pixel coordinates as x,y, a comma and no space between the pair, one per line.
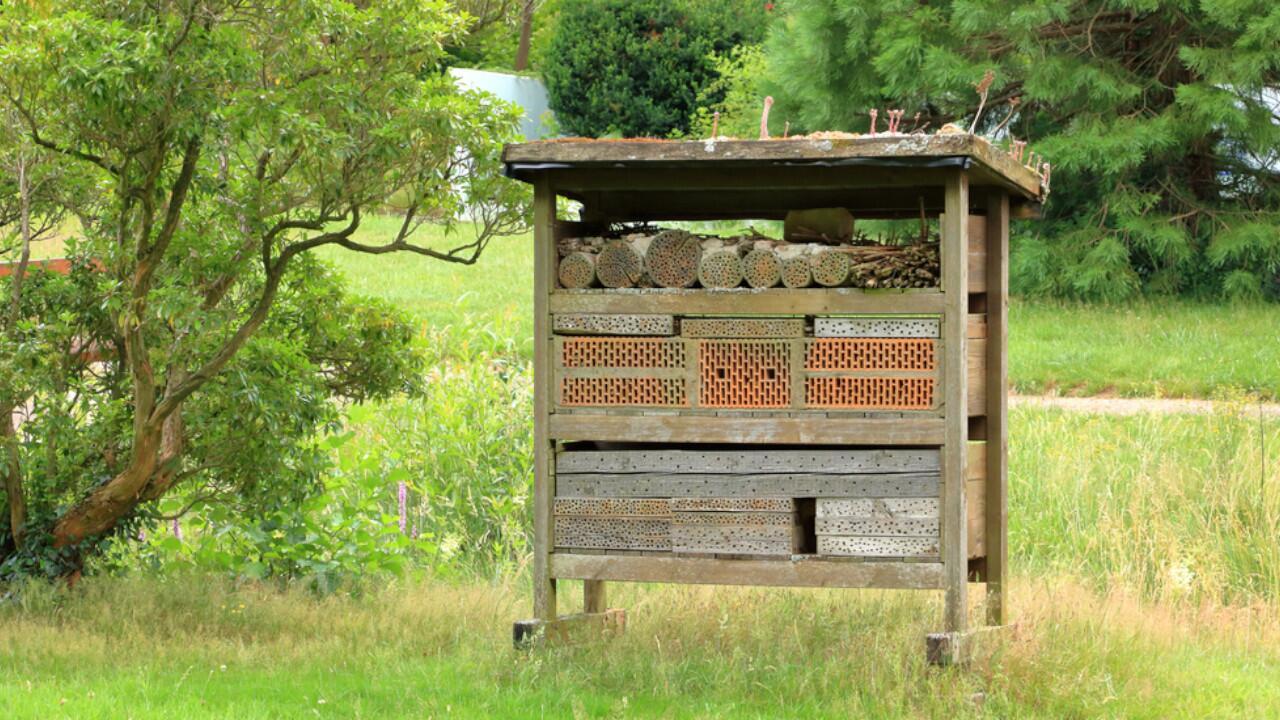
748,301
805,571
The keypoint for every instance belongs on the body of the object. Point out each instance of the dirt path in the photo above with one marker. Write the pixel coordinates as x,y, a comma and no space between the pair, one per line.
1135,406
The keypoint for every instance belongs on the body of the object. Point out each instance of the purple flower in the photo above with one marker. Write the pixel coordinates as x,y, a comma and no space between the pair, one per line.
177,530
402,496
142,536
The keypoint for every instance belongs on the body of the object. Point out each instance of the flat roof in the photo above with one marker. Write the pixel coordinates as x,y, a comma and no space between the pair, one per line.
993,165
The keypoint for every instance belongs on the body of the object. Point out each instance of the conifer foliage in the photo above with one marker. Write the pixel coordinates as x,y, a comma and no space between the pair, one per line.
1161,119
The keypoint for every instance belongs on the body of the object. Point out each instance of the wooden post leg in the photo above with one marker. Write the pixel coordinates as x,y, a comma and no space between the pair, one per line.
594,599
544,586
997,479
955,285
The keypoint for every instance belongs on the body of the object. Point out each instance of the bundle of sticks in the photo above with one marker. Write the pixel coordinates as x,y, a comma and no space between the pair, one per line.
680,259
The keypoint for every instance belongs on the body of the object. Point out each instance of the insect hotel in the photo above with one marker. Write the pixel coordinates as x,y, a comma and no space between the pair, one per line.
826,408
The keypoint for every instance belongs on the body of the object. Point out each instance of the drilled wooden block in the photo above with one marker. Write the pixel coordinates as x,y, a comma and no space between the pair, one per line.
876,507
745,539
613,507
593,324
894,527
830,327
613,533
734,505
745,519
742,327
889,547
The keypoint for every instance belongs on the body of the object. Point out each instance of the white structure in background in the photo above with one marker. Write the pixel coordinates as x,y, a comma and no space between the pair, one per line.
526,92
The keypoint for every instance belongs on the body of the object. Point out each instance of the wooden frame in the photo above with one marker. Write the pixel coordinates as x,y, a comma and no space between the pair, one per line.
973,187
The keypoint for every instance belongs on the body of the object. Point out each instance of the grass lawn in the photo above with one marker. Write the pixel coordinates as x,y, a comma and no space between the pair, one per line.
192,648
1167,348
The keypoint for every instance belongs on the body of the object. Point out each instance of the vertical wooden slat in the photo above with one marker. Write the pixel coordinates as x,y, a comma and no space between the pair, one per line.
955,286
997,399
544,215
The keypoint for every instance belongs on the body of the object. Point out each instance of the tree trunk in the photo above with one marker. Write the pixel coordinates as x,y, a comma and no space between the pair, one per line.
526,34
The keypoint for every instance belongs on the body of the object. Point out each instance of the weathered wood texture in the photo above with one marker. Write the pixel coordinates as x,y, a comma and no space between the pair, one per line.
746,301
992,163
995,497
906,484
678,462
591,624
781,430
955,286
805,572
545,253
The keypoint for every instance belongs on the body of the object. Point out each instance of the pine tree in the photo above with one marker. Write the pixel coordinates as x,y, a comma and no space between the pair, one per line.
1161,119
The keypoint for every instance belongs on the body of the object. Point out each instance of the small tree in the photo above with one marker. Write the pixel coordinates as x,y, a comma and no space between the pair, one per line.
224,141
1160,119
636,67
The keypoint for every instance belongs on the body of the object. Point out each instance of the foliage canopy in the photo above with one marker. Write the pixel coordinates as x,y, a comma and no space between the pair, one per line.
1161,119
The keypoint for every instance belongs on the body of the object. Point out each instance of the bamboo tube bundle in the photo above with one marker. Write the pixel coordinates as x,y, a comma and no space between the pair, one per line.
830,267
578,270
620,263
796,272
673,257
721,264
762,268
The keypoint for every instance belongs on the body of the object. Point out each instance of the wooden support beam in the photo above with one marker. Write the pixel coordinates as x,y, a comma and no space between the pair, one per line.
781,430
955,285
569,630
544,267
997,406
806,572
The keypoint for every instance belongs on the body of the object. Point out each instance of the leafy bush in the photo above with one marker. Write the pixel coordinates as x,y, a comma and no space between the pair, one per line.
463,452
736,94
636,67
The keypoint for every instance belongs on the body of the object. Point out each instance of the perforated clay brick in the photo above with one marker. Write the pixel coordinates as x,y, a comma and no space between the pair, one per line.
744,374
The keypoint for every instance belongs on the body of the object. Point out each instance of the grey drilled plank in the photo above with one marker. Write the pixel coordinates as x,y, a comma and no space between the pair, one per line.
830,327
736,505
748,461
759,519
896,485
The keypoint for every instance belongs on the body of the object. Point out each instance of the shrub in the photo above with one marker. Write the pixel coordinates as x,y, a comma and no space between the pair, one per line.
636,67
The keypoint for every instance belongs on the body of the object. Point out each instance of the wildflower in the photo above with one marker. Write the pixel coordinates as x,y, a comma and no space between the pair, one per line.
1182,577
402,497
177,529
